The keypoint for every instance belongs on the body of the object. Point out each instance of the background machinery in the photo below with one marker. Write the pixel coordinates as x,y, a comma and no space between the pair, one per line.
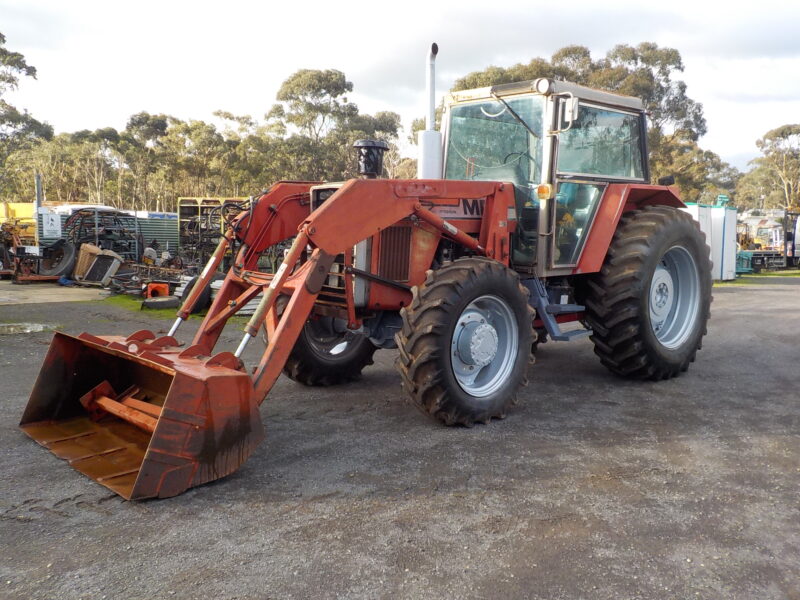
544,226
201,224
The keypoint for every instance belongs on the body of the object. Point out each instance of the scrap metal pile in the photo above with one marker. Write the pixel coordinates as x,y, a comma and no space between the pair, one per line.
18,261
104,247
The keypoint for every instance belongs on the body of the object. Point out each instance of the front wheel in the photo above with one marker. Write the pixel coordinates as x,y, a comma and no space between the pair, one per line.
650,303
465,342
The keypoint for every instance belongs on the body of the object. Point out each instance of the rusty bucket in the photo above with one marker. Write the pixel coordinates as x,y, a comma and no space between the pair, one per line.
142,416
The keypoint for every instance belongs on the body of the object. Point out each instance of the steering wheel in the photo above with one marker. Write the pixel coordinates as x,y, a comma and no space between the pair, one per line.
521,155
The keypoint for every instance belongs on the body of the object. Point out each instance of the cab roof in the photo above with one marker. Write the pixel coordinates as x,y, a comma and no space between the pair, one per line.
556,87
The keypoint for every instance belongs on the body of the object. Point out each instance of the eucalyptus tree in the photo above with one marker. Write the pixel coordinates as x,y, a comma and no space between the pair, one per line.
781,150
18,129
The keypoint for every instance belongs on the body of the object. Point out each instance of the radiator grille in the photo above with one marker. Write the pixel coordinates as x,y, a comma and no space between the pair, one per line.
333,292
395,249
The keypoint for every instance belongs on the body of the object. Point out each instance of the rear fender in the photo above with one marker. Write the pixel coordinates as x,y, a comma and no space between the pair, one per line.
618,199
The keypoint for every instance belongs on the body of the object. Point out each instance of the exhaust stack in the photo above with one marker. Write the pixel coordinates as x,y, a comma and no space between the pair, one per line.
429,141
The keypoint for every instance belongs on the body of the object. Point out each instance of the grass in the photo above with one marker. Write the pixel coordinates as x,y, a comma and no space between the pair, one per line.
732,283
784,273
749,279
134,303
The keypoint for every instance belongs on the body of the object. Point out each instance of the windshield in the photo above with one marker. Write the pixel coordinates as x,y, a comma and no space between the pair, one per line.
487,142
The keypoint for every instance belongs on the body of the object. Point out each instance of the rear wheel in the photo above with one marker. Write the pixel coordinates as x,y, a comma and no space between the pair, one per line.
465,342
649,305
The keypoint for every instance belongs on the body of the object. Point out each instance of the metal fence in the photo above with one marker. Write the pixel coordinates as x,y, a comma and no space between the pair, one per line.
164,230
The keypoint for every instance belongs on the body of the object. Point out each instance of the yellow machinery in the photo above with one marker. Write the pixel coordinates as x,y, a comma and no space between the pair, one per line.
19,215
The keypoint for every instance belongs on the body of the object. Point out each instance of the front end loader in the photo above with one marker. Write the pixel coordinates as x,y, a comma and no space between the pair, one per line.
543,227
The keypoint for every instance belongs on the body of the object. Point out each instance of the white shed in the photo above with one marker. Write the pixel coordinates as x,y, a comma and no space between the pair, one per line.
719,225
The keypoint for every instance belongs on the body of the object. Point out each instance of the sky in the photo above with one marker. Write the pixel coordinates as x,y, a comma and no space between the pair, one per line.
99,62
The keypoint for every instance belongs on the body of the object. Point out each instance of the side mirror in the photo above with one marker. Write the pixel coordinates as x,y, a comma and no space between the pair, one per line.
668,180
568,113
571,107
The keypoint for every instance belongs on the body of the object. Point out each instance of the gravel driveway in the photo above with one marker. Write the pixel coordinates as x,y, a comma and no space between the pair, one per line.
593,487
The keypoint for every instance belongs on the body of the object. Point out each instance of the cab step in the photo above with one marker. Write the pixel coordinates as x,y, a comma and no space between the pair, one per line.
547,312
563,309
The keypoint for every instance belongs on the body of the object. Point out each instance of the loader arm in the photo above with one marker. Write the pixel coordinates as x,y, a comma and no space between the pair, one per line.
332,230
272,218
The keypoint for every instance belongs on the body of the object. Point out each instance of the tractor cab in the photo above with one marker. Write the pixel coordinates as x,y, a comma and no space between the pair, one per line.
560,144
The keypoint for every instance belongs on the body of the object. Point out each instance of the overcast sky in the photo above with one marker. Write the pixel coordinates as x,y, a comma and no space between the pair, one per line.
101,61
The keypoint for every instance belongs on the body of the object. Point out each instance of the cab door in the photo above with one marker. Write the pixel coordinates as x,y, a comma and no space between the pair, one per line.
602,144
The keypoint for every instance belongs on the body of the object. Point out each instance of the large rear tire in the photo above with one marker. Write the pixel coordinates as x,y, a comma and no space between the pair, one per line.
650,303
327,353
465,342
61,261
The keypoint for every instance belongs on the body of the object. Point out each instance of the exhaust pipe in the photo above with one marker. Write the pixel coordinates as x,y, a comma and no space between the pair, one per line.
429,141
430,87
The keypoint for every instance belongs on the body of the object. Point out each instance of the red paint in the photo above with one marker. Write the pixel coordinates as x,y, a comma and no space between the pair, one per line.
618,199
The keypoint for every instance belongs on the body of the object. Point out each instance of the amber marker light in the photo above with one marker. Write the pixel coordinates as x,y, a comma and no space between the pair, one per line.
544,191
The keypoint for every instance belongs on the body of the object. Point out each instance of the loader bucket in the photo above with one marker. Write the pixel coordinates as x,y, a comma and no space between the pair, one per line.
141,416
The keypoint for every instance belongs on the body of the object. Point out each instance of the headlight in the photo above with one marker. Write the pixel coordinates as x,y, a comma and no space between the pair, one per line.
543,85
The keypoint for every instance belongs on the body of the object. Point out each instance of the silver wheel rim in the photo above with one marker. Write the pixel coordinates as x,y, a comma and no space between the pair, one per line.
484,344
674,297
328,337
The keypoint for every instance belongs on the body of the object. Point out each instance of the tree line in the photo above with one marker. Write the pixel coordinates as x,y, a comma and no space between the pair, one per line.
308,135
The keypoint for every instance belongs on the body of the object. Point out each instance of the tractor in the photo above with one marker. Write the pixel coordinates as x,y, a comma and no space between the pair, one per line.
533,219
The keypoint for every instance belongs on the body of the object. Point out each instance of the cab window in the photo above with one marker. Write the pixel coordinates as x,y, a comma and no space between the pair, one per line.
491,140
602,142
575,206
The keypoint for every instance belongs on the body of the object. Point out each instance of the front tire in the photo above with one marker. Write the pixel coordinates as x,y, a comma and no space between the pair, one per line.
465,342
650,303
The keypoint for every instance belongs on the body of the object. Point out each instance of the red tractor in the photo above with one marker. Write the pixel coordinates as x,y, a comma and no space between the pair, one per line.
541,224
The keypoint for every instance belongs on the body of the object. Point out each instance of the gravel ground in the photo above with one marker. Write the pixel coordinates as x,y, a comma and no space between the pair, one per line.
593,487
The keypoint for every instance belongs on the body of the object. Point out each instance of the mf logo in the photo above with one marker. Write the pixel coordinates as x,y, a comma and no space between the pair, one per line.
472,207
467,208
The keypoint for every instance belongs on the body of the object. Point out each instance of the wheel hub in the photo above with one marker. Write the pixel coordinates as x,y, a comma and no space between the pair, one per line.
477,343
662,294
328,336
